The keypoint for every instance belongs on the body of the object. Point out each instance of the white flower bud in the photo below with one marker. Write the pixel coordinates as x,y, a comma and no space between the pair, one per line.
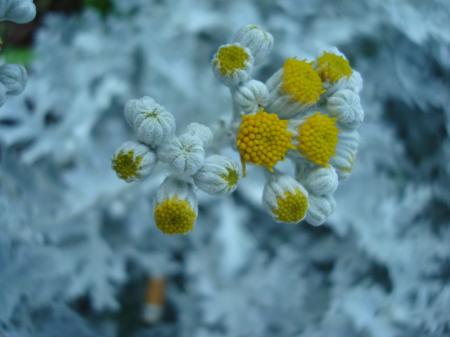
184,154
346,106
152,124
133,161
250,96
232,64
257,40
218,175
175,208
285,198
345,153
320,208
14,78
200,131
18,11
321,181
355,82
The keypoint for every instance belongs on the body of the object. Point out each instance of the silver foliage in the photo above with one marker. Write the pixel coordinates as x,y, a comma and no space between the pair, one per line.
70,231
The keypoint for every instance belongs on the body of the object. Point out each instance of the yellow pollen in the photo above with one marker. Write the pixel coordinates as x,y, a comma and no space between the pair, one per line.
332,67
174,216
301,82
231,177
263,139
230,59
125,165
292,207
318,137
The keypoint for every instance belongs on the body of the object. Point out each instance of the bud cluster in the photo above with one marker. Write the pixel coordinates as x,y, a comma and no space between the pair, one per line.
184,156
13,77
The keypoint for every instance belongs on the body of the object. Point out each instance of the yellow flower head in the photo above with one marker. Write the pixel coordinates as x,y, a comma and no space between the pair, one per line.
126,164
317,138
332,67
291,207
263,139
301,82
230,59
174,216
285,198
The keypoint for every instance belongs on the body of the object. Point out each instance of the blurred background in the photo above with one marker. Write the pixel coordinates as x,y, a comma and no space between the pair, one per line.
79,252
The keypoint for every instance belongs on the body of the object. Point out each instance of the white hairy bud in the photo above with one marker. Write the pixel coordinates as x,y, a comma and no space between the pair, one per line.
184,154
345,105
232,64
200,131
133,161
355,82
320,208
151,122
345,153
14,78
285,199
219,175
18,11
257,40
250,96
321,181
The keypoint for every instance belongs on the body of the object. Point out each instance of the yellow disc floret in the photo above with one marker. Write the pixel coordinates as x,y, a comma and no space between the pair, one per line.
126,165
332,67
263,139
174,216
318,137
291,207
231,58
231,177
301,82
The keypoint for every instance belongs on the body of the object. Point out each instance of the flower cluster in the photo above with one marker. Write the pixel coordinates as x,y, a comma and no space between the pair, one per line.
184,156
307,112
13,77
